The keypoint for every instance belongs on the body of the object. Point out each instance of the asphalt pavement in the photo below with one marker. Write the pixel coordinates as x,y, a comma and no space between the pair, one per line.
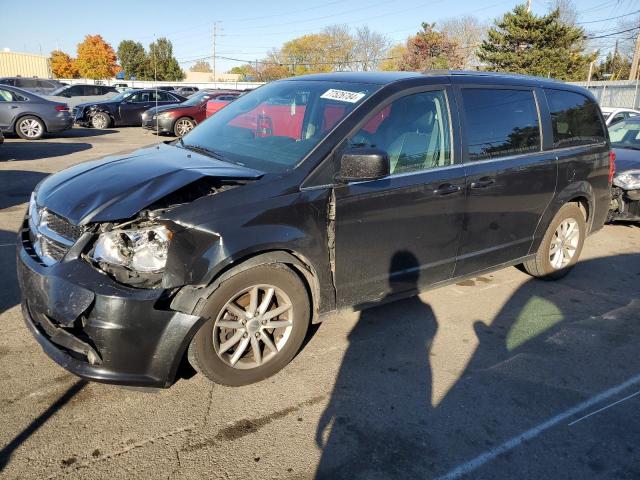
498,377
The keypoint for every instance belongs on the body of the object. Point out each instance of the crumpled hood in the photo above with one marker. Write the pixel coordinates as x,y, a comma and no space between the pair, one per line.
627,159
117,188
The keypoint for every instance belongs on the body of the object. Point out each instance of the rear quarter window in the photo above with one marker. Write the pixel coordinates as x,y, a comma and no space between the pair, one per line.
575,119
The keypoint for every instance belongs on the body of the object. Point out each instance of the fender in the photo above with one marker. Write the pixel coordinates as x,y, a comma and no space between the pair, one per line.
581,191
12,126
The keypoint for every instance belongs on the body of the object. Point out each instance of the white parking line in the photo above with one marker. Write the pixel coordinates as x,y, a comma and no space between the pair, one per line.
605,408
7,244
514,442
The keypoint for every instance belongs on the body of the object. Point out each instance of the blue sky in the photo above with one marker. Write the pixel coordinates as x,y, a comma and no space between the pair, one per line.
248,29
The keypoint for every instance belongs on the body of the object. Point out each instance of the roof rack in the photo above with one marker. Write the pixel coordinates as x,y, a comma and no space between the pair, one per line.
483,73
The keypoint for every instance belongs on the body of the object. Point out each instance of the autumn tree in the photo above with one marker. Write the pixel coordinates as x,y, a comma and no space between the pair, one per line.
522,42
133,59
161,64
393,57
201,66
96,58
62,65
246,72
431,49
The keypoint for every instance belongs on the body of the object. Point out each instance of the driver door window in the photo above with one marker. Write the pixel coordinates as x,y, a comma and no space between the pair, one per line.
414,131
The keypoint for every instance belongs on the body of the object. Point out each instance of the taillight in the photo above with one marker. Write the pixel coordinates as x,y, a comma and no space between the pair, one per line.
612,165
62,108
265,126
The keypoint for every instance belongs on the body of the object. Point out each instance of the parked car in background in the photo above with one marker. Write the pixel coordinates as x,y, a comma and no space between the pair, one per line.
187,91
74,95
614,115
167,88
223,247
182,118
31,84
121,87
30,115
625,193
125,109
220,101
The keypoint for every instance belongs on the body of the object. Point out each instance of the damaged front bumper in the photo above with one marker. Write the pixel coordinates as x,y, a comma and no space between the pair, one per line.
97,328
625,205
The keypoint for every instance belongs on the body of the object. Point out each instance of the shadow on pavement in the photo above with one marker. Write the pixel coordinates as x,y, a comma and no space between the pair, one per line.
7,451
551,346
36,150
9,293
17,186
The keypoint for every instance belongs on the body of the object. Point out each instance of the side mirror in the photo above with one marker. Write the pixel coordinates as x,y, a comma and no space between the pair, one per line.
359,164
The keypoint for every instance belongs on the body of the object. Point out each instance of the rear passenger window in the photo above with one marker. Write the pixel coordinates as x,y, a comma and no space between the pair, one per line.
575,119
500,122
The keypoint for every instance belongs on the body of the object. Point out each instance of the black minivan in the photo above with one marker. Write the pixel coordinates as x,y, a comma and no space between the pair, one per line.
306,196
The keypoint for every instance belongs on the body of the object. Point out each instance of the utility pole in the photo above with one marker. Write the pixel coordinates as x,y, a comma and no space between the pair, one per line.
528,6
215,34
633,74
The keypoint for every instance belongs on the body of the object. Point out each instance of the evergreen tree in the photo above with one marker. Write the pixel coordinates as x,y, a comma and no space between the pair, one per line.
521,42
161,64
132,58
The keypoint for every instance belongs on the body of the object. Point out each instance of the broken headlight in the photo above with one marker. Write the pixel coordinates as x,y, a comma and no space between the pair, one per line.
136,256
629,180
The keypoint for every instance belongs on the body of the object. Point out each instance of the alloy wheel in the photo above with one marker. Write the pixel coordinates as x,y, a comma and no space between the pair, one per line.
253,326
564,243
183,127
99,122
31,128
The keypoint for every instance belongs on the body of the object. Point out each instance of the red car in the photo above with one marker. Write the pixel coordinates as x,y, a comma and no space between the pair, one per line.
181,118
220,101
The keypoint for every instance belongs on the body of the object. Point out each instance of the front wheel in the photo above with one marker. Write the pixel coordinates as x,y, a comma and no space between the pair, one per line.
561,246
257,321
100,120
183,126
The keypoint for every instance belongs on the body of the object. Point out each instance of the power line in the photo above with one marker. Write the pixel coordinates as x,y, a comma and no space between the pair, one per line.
614,33
610,18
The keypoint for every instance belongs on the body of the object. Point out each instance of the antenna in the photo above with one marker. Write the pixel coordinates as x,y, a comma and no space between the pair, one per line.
155,81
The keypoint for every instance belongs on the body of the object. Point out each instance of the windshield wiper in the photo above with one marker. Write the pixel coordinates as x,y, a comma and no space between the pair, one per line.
202,150
626,147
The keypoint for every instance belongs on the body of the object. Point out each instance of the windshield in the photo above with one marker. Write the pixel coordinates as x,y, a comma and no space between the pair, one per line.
121,96
275,126
197,99
59,90
625,134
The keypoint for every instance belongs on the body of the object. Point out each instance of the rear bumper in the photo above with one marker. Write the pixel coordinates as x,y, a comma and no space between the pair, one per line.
98,329
60,123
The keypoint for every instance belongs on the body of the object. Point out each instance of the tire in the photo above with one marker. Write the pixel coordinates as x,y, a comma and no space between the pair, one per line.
100,120
215,347
547,264
182,126
30,127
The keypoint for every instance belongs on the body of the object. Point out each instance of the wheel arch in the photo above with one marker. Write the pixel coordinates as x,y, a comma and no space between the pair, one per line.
189,299
577,192
27,114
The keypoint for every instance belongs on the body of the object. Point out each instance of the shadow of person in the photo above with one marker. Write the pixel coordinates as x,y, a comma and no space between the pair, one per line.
382,395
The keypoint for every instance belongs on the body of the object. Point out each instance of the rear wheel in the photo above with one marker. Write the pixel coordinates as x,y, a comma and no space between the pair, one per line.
100,120
183,126
561,245
30,128
257,321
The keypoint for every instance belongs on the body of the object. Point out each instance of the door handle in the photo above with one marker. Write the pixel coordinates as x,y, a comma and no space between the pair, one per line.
447,189
14,106
483,182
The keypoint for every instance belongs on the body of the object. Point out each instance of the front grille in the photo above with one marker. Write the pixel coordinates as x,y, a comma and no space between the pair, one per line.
52,249
63,227
51,235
